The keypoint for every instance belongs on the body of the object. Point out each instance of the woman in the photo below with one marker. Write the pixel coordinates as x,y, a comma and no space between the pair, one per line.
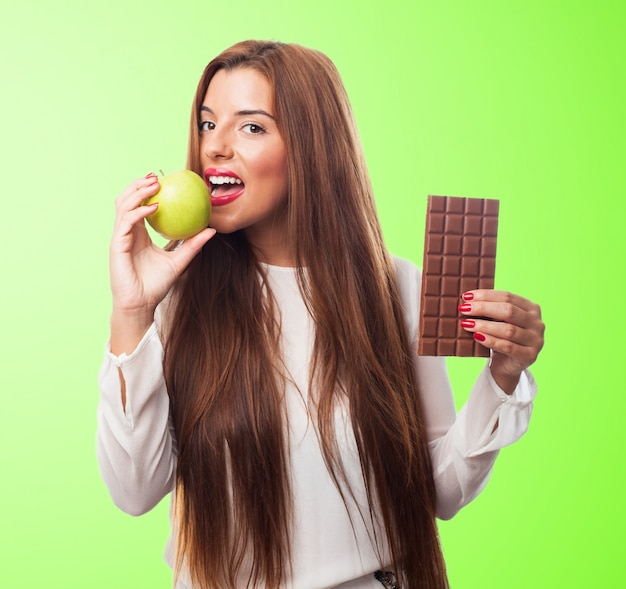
266,374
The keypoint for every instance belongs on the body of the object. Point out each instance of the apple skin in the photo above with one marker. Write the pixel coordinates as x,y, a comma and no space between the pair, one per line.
184,205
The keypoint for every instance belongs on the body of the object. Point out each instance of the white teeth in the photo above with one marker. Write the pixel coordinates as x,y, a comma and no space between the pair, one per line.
224,180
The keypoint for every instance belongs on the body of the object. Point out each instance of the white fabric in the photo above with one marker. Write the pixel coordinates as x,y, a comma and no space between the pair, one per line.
137,451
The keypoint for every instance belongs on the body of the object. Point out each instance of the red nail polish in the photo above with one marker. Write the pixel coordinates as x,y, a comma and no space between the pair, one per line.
468,296
465,308
479,337
468,323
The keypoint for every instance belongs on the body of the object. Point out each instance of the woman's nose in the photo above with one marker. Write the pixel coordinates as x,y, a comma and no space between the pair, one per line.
217,144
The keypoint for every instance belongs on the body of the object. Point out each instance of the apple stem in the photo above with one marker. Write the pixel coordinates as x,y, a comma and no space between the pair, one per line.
162,174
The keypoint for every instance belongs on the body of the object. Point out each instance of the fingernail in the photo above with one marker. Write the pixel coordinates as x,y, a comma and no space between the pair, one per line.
150,175
468,296
465,308
479,337
468,323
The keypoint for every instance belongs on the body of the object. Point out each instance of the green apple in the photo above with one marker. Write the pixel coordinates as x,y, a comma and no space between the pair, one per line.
184,205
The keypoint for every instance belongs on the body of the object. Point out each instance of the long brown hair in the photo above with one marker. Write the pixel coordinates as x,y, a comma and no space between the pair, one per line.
224,373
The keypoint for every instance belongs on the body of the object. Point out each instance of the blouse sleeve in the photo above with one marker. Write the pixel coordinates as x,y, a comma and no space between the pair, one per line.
135,445
463,446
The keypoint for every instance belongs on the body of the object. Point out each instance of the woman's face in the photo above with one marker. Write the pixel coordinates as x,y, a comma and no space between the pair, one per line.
244,160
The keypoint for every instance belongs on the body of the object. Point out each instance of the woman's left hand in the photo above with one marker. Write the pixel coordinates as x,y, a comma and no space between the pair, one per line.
513,331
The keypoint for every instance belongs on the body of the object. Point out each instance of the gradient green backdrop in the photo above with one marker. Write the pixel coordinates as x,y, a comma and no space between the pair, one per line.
521,101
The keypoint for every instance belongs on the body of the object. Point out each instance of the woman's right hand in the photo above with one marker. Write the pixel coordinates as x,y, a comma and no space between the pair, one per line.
141,272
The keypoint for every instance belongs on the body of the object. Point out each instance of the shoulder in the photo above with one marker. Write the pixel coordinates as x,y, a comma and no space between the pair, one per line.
409,281
405,265
408,276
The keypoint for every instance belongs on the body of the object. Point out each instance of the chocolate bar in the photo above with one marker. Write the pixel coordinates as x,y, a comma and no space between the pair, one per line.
459,255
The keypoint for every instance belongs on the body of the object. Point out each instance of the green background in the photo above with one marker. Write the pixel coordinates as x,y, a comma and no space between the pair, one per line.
521,101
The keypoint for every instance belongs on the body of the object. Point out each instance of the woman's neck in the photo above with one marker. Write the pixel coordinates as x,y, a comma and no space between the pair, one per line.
272,248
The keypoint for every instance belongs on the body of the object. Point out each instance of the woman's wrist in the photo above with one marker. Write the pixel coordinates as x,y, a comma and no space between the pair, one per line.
128,328
506,382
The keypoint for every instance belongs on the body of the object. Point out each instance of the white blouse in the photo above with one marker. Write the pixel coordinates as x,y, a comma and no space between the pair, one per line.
332,546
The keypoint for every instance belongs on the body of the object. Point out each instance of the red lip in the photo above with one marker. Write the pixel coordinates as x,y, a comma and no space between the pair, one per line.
218,201
219,172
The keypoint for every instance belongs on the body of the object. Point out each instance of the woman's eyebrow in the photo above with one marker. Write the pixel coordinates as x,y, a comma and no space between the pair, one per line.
244,113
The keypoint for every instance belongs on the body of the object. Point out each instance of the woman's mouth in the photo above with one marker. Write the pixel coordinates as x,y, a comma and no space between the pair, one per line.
224,186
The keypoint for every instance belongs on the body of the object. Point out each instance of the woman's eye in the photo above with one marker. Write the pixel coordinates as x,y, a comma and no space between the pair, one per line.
253,129
206,126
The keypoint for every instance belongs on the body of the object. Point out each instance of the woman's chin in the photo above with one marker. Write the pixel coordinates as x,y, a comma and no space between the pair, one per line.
223,225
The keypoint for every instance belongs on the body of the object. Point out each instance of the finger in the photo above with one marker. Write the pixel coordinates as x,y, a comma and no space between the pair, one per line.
502,331
502,296
127,220
136,185
129,231
505,312
136,193
522,355
190,247
519,344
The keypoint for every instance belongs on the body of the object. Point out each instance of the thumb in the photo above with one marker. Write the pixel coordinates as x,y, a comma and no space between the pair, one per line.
190,247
